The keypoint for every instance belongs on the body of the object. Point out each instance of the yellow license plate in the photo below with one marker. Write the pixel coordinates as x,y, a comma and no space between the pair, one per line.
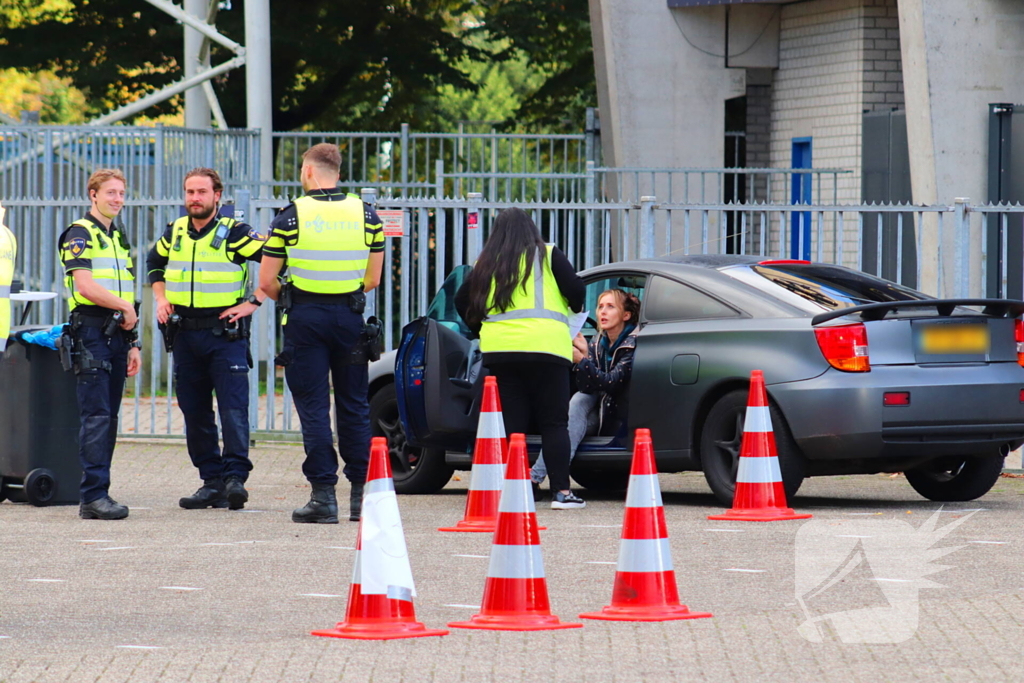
955,339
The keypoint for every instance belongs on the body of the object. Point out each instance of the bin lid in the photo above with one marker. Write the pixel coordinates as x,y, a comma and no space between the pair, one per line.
33,296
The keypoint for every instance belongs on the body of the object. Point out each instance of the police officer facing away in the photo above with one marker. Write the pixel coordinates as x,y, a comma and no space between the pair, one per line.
334,247
197,270
101,285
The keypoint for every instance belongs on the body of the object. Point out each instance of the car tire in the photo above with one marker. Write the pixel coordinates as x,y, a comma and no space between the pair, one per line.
415,470
720,447
970,478
602,480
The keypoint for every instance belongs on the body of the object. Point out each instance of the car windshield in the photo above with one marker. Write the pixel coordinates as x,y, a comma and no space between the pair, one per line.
442,308
826,286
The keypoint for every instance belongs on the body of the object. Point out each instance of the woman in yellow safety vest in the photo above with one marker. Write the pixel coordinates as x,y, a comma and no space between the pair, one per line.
518,299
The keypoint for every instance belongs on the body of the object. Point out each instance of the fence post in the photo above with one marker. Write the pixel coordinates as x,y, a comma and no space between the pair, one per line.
48,241
962,250
588,242
439,178
405,159
647,226
590,132
369,197
474,230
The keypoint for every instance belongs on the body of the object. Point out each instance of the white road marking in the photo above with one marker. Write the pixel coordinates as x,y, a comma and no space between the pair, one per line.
120,547
745,571
340,547
482,557
862,513
47,580
141,647
893,580
91,540
966,510
135,508
318,595
180,588
852,536
991,542
216,544
598,562
601,526
728,531
465,606
245,542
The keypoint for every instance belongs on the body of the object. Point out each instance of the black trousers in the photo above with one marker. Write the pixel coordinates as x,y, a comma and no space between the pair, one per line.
538,391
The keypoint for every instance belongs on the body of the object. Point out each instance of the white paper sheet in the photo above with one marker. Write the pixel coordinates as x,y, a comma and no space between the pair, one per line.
576,323
384,557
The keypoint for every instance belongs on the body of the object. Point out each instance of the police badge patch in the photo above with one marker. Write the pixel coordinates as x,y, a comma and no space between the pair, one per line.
77,246
256,236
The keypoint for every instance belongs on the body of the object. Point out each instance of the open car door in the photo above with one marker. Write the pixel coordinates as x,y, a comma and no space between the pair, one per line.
439,374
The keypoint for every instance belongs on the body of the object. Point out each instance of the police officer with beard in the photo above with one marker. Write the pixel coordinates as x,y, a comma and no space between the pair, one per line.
197,270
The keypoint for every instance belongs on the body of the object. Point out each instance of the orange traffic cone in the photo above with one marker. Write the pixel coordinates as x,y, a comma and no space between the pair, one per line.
760,495
383,609
645,581
489,457
516,592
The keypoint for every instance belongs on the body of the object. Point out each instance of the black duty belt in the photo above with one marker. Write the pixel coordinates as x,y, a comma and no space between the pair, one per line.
90,319
207,323
300,297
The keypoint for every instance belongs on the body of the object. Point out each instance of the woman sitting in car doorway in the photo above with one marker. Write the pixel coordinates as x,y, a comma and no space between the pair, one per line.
602,370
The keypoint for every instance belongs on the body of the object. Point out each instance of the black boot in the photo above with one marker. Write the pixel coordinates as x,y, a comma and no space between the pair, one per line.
236,493
322,507
103,508
355,502
210,495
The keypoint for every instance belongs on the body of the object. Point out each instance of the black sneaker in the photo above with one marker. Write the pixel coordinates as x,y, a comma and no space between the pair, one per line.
104,508
567,501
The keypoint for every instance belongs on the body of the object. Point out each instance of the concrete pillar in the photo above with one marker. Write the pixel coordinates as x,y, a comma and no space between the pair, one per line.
197,109
958,56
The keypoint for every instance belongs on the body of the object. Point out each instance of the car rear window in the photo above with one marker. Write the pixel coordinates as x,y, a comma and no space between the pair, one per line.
834,287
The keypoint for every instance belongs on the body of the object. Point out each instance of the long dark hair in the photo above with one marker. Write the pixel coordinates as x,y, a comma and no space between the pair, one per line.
513,234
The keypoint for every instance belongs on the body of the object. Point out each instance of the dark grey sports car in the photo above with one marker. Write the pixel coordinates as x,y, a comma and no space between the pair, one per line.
864,375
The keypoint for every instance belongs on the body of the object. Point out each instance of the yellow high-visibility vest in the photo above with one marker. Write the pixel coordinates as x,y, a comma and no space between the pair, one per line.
199,275
537,321
110,266
330,254
8,251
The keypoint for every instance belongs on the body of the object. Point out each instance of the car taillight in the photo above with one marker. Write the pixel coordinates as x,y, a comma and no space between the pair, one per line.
846,347
1018,333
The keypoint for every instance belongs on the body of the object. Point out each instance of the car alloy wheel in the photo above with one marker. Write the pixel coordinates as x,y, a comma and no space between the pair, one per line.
415,470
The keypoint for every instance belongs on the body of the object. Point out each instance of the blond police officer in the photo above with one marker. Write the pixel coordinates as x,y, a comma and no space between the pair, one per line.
334,248
100,278
197,270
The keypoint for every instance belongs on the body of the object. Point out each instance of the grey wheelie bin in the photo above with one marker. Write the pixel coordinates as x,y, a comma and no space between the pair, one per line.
38,426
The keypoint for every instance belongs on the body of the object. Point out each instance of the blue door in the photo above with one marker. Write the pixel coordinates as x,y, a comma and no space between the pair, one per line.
800,193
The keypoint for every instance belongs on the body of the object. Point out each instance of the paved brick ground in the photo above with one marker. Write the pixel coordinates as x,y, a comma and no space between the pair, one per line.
79,600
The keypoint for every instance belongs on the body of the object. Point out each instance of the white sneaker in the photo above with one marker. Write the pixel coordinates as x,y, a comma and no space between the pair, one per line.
567,501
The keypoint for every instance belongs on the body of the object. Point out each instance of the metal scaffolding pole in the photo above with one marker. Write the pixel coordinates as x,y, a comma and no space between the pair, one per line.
258,101
197,108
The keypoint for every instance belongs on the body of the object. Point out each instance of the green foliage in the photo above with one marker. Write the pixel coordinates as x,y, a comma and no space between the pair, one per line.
367,65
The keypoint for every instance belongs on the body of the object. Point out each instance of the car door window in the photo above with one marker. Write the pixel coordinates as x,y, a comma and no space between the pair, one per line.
442,307
670,300
631,283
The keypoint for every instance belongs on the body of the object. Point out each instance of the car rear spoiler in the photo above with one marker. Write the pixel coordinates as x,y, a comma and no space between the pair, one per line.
997,308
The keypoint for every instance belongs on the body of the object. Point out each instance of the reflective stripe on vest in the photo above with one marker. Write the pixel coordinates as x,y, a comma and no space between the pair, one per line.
8,247
330,253
110,264
537,321
197,274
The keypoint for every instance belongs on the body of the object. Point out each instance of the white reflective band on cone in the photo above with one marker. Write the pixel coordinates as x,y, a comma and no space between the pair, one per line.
516,562
644,491
379,486
491,426
357,575
758,419
517,496
758,471
399,593
644,555
487,478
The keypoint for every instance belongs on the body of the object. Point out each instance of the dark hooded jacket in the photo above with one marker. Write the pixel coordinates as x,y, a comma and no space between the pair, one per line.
609,376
